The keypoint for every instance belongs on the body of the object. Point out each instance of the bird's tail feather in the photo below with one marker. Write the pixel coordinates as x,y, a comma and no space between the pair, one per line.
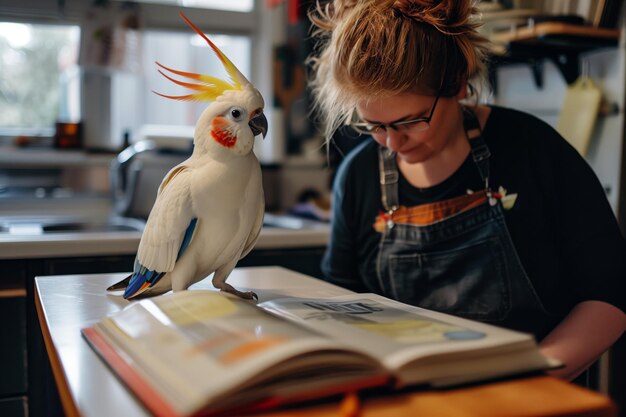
121,284
140,282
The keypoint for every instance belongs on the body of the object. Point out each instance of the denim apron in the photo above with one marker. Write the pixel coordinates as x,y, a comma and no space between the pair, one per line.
464,264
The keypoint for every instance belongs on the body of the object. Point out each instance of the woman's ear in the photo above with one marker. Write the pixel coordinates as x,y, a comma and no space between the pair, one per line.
462,93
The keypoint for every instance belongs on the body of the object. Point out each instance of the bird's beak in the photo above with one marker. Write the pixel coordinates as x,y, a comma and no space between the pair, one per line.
258,124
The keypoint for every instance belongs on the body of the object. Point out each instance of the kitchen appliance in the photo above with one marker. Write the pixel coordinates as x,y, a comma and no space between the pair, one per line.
108,106
138,170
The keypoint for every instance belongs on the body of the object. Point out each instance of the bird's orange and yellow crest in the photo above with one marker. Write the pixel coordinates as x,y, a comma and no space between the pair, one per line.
209,87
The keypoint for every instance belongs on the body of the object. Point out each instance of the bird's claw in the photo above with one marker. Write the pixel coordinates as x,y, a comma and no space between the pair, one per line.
246,295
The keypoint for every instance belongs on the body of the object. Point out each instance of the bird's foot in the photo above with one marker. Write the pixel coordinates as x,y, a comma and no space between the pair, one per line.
247,295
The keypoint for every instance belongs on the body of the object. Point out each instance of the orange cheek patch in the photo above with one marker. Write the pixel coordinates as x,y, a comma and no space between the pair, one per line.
221,134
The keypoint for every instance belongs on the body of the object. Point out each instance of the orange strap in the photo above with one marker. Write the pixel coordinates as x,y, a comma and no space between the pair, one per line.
350,405
433,212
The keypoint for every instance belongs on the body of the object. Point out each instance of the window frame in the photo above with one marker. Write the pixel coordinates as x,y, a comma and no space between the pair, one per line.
256,24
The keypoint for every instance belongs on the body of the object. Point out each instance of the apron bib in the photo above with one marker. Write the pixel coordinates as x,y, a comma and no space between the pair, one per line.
464,263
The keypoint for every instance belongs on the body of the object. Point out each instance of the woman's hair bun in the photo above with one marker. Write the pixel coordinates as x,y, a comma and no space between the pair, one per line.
369,48
451,17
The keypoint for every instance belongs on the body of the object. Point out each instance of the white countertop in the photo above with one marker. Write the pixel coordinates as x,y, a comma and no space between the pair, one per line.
87,386
126,243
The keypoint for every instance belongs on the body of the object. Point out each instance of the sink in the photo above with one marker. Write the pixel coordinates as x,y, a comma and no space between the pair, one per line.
42,226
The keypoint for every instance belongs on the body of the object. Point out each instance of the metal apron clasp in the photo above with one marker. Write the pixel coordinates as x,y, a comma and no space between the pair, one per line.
389,217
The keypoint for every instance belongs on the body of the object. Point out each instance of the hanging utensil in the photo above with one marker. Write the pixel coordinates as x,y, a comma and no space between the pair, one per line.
579,112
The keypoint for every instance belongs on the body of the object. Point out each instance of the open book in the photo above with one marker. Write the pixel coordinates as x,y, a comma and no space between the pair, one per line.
203,352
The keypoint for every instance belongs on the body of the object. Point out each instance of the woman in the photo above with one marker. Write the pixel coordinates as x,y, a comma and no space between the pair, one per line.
474,210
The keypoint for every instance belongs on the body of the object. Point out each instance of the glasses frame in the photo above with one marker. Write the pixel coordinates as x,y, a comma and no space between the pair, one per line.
372,128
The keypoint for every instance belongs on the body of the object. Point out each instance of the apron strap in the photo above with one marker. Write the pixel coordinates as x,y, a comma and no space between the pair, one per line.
480,150
389,176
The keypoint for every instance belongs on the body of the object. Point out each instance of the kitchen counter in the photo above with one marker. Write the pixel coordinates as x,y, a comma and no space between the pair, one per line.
123,243
46,245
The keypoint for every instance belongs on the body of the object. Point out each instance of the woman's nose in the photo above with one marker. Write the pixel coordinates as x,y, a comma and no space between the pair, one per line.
395,139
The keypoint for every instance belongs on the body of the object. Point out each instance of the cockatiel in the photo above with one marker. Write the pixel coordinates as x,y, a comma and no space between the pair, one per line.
209,209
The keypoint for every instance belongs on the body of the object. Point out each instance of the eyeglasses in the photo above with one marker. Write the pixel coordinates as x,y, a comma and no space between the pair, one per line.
419,124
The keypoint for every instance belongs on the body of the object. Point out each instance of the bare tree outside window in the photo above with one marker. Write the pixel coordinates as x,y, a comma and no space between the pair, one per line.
36,62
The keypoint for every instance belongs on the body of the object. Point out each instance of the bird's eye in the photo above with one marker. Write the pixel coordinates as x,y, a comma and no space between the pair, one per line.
236,113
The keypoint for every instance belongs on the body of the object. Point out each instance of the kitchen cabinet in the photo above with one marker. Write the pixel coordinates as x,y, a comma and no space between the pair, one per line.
13,354
13,407
13,380
13,349
26,382
304,260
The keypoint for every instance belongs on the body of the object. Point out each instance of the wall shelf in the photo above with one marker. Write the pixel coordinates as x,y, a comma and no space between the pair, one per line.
40,157
561,43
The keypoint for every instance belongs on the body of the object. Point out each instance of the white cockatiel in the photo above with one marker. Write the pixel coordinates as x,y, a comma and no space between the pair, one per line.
209,209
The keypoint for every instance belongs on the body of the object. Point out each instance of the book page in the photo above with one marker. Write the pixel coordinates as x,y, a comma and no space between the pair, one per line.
195,347
397,333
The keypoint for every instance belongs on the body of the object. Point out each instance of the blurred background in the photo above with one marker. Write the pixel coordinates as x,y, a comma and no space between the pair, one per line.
84,141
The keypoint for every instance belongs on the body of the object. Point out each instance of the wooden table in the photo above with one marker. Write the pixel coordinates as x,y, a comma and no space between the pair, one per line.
87,387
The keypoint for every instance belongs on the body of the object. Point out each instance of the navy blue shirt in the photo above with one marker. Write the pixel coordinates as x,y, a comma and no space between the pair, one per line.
562,225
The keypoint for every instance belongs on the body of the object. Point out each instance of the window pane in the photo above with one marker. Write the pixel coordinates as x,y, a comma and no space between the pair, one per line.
188,53
230,5
39,78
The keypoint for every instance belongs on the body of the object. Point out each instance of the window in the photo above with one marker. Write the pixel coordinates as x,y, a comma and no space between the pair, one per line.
230,5
41,81
38,76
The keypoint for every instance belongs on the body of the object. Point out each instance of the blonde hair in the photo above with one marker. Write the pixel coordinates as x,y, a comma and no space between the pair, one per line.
373,48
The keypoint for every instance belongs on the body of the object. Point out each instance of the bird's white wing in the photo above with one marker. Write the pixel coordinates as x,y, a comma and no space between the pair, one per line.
167,223
256,231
